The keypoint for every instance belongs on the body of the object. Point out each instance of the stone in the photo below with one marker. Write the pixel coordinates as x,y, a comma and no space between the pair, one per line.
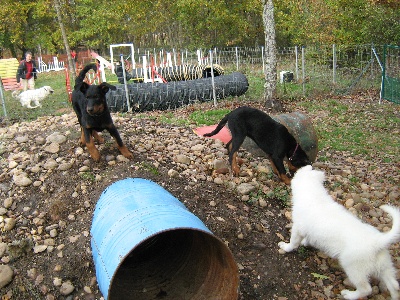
245,188
198,147
9,224
22,180
50,164
173,173
56,137
6,275
22,139
66,288
39,248
52,148
220,164
183,159
3,248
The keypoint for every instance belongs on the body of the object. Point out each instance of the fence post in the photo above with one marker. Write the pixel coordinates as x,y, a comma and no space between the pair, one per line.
262,58
3,100
296,53
303,69
125,85
212,78
334,63
383,66
237,58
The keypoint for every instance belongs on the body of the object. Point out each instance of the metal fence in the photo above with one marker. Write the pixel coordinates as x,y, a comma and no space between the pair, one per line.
338,69
391,74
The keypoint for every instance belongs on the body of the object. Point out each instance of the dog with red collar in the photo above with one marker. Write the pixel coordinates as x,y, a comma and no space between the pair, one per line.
271,136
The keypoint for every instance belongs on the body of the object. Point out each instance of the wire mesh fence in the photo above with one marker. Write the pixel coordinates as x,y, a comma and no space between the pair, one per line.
338,69
391,74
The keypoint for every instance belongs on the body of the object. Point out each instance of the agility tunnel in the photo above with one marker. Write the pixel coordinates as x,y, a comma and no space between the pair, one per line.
147,245
174,94
175,73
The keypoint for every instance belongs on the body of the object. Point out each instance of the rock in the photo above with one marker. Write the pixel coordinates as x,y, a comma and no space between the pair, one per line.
39,248
245,188
50,164
84,169
56,137
8,202
66,288
3,249
22,180
6,275
121,158
173,173
198,147
218,180
65,166
22,139
349,203
183,159
9,224
220,164
52,148
262,202
12,164
394,195
40,140
57,281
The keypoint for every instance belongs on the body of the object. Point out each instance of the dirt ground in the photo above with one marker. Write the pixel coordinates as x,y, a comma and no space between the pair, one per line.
251,231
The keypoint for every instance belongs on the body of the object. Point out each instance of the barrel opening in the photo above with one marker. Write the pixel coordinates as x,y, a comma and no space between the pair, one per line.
177,264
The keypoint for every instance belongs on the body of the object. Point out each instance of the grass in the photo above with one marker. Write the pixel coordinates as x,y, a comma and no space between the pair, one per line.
56,104
208,117
367,129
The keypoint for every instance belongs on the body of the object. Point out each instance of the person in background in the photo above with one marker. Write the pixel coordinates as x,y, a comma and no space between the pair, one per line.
26,72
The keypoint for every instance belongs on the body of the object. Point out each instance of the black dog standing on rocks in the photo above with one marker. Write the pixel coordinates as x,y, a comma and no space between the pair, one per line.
90,106
271,136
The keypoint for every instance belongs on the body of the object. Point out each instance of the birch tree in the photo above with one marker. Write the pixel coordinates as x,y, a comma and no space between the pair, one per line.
270,58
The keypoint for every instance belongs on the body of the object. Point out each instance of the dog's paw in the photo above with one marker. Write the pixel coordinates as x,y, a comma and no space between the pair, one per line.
285,246
350,295
125,152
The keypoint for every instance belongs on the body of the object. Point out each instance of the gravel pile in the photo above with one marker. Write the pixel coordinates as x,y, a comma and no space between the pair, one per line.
38,158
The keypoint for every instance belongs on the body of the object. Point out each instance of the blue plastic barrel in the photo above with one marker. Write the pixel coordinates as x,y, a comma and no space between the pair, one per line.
147,245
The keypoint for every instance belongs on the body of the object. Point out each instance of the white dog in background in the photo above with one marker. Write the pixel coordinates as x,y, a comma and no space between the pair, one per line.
29,97
360,248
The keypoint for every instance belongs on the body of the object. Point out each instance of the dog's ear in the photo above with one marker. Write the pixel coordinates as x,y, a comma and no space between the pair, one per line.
105,87
84,87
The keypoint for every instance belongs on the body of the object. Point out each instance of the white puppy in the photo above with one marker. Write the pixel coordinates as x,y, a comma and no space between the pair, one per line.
360,248
29,97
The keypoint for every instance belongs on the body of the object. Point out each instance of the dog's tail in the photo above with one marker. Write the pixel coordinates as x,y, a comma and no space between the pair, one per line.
393,235
217,129
82,74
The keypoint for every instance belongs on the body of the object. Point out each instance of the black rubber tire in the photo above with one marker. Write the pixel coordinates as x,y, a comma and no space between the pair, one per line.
170,95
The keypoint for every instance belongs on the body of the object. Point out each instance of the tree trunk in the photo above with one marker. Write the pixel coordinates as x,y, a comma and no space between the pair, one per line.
71,64
270,58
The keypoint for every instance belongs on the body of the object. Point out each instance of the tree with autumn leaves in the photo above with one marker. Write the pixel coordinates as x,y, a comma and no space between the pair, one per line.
33,25
58,25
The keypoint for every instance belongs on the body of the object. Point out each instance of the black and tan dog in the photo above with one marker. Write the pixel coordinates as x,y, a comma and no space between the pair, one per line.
271,136
90,106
